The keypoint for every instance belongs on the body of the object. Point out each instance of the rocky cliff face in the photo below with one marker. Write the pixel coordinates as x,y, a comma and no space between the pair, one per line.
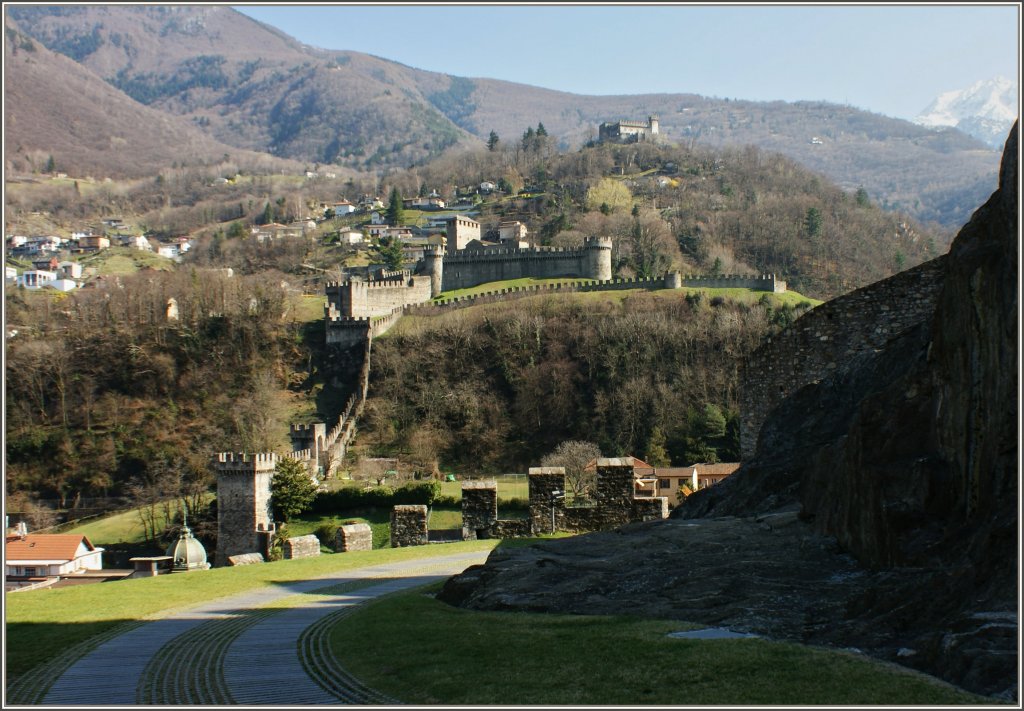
880,511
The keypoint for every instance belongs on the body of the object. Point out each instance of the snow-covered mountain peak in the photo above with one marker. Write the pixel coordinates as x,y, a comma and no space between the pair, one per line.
985,110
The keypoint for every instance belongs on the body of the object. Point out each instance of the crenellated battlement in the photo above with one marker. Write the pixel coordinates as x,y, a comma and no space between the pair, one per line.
509,253
259,461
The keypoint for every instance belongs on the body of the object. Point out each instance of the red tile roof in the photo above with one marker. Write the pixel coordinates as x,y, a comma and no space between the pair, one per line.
45,546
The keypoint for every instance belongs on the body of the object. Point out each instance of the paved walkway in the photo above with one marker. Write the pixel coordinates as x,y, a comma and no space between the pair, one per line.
245,649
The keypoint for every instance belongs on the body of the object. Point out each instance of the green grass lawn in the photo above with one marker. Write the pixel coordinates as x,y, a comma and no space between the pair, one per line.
749,296
122,527
41,624
309,308
507,284
518,658
124,260
510,486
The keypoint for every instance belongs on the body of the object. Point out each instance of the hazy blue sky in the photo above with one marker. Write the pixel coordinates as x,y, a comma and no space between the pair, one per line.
887,59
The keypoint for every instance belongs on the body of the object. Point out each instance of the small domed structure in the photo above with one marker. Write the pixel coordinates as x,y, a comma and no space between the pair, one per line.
187,553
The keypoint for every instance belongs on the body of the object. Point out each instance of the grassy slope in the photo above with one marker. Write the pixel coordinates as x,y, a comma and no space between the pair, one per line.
569,659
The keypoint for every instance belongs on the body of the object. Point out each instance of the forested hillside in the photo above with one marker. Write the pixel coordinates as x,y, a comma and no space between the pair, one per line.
107,396
497,387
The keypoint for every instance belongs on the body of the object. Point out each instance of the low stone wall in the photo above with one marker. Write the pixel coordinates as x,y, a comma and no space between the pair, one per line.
353,537
301,547
409,526
510,528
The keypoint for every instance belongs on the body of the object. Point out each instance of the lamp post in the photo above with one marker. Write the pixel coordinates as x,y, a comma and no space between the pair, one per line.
555,496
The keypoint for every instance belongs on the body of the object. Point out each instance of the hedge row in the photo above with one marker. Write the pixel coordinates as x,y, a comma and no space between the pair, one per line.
349,497
425,492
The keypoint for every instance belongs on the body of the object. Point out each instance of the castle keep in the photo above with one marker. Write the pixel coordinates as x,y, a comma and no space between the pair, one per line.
628,131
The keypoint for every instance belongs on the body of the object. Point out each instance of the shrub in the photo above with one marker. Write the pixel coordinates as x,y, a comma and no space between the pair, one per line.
326,532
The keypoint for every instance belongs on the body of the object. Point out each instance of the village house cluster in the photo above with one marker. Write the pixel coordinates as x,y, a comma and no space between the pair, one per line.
56,260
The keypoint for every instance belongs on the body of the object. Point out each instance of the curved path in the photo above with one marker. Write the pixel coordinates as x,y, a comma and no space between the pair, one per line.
267,646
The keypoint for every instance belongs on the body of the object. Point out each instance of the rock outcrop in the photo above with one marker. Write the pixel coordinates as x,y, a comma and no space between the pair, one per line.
880,511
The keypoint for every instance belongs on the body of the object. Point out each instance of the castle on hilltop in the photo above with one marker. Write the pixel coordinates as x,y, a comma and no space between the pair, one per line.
440,271
628,131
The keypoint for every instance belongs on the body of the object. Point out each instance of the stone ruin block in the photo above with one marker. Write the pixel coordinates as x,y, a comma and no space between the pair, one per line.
615,490
409,526
479,508
301,547
353,537
544,481
650,508
245,559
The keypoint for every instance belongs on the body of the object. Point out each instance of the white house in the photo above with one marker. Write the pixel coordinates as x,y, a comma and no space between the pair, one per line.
343,208
350,237
70,270
63,285
140,242
487,186
45,555
10,274
35,278
377,219
513,233
171,251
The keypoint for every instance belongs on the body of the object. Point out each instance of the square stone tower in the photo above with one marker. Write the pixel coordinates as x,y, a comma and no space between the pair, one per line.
244,517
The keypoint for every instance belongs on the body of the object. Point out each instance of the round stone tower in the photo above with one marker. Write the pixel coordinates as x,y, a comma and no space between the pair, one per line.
599,258
433,260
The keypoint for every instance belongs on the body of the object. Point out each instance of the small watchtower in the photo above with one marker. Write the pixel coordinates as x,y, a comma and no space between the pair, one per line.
244,517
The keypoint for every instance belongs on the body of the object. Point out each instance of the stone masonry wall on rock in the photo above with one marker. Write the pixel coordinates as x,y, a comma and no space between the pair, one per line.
409,526
353,537
301,547
816,343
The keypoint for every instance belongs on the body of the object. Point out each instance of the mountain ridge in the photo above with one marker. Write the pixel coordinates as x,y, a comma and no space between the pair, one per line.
251,86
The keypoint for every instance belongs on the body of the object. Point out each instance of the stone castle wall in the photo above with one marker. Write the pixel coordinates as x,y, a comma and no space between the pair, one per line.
366,299
468,268
815,344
